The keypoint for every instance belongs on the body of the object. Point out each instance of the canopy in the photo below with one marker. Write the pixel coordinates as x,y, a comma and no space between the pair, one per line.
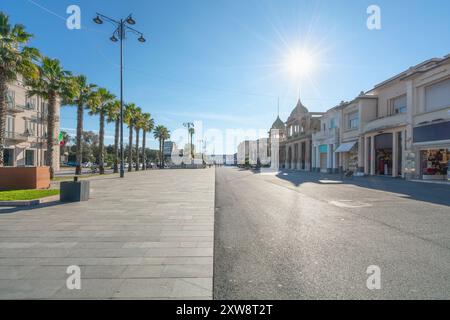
346,147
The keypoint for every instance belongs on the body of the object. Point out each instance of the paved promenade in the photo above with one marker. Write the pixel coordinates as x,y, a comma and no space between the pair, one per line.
149,236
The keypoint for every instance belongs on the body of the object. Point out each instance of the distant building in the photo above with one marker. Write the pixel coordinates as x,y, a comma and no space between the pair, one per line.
169,149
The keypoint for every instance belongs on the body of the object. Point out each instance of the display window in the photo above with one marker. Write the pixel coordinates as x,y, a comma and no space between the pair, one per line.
435,163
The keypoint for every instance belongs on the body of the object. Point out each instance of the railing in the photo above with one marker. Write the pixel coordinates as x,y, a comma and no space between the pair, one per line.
15,107
386,122
16,136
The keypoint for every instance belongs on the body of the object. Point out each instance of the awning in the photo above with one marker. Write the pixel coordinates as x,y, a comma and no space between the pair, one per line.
346,147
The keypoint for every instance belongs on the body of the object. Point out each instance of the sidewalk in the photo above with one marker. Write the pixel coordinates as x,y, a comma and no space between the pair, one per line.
149,236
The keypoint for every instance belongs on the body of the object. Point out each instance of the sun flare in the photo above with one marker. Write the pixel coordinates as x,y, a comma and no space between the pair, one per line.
300,63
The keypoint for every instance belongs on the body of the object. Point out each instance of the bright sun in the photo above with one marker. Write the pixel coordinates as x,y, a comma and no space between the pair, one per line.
299,63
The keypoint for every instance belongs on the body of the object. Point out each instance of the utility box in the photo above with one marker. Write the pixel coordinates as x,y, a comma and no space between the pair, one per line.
74,191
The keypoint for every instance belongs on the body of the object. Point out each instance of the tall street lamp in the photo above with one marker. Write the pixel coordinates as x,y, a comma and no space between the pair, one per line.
121,28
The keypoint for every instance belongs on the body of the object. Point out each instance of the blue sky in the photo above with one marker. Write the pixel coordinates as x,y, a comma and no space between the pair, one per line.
221,61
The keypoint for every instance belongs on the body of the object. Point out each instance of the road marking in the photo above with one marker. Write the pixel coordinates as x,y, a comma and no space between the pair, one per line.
349,204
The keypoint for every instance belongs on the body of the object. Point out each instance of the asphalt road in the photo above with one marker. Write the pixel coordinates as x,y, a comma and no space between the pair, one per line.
312,236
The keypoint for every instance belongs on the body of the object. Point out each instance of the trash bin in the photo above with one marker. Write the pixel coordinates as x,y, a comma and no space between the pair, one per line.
74,191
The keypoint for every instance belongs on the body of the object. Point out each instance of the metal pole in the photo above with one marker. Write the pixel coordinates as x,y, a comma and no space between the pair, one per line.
122,157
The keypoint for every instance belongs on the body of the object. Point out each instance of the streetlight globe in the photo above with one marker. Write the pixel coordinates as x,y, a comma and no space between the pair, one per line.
130,20
97,20
141,39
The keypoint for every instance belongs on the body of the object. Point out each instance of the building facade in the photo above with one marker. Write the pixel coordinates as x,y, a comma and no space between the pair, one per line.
300,126
326,141
26,129
428,90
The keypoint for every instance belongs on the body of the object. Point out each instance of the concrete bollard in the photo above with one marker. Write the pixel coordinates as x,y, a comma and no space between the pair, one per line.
74,191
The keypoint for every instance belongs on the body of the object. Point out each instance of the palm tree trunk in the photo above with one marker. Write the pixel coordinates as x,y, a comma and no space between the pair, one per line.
162,152
144,160
101,142
130,149
3,107
116,146
79,150
51,131
137,149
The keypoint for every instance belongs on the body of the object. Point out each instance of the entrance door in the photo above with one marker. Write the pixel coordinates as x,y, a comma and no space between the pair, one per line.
323,162
383,154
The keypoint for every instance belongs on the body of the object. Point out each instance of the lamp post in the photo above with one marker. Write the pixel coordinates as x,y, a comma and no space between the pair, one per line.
121,28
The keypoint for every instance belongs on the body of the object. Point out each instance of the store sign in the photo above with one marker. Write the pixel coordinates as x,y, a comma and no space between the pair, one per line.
433,132
323,148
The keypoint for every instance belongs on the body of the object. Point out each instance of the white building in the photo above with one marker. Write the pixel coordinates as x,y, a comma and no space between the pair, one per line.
26,129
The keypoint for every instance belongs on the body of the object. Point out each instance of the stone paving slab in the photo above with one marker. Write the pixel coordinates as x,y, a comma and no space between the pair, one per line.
149,236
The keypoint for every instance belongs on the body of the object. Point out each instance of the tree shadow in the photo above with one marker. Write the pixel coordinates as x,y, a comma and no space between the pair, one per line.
14,209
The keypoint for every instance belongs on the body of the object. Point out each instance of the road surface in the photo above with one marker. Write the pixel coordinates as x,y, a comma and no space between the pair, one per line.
311,236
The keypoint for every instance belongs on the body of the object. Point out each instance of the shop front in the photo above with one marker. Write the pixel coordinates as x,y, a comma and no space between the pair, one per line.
323,154
348,155
432,143
383,154
435,164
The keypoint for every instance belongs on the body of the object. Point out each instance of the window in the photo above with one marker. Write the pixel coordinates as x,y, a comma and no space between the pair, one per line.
29,127
353,120
398,105
29,157
324,127
31,103
8,157
437,96
332,123
9,125
10,98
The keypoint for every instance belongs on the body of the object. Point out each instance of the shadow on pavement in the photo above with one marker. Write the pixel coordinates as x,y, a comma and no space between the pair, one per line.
14,209
427,192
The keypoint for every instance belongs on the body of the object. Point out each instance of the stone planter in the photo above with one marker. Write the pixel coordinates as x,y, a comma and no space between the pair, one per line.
74,191
13,178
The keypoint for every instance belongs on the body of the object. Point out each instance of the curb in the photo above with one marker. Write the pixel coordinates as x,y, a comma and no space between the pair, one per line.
24,203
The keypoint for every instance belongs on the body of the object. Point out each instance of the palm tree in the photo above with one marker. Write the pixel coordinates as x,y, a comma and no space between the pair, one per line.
131,110
191,133
53,84
147,127
15,58
138,124
161,133
83,95
99,104
113,115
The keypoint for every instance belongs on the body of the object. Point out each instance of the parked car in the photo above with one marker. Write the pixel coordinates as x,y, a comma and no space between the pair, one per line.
71,164
86,164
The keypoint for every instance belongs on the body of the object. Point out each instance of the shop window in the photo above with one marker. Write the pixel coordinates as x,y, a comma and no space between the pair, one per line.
29,157
8,157
435,164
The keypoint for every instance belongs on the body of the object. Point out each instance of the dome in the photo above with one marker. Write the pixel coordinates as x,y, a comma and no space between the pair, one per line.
298,110
278,124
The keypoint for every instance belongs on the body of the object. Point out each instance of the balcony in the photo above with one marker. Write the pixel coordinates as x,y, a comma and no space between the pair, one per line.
43,116
15,108
329,134
386,122
16,136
